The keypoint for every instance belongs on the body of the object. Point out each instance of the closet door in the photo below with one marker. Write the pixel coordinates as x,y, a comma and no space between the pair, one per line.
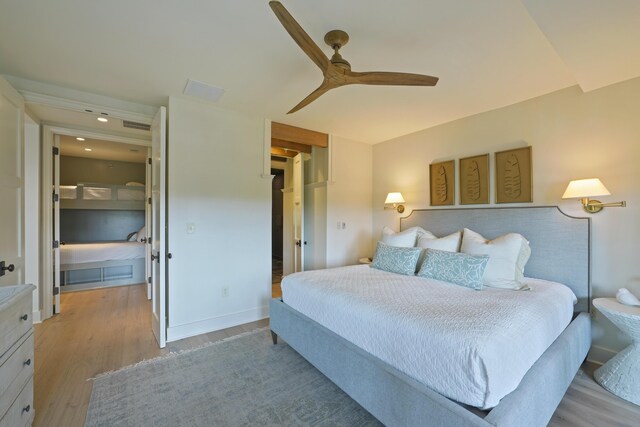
298,212
11,185
159,231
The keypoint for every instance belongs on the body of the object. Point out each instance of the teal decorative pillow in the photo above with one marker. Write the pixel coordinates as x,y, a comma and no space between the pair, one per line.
395,259
454,267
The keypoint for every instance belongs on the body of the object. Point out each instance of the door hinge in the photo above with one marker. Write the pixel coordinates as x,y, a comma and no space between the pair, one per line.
149,279
55,197
149,200
56,290
56,151
149,160
56,244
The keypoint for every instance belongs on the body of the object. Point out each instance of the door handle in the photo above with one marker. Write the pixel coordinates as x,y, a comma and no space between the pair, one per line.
298,243
143,240
153,257
158,257
10,268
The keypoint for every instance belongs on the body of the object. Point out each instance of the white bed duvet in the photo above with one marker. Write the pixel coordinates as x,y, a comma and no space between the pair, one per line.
471,346
97,252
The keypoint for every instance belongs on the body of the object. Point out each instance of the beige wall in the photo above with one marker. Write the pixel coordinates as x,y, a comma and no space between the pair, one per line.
74,170
574,135
349,202
214,182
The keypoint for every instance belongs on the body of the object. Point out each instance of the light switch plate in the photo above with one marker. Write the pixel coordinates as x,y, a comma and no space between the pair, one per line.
191,228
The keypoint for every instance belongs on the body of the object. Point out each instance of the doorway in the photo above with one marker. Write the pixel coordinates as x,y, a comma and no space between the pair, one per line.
277,228
299,166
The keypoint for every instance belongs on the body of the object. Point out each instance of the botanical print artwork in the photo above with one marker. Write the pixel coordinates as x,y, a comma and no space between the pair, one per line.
474,180
472,188
514,176
442,183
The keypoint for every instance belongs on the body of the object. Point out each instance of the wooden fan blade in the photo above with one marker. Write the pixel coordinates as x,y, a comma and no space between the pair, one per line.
324,88
299,35
389,78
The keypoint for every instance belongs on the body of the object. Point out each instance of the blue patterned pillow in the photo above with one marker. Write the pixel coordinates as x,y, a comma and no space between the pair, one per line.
454,267
396,260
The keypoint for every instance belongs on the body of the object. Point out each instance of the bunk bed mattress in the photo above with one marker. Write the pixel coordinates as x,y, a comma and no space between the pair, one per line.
80,253
471,346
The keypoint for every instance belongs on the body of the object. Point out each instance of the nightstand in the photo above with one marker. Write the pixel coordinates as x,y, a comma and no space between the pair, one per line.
621,374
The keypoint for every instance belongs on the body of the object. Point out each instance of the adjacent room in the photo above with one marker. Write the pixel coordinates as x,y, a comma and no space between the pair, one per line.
102,214
411,213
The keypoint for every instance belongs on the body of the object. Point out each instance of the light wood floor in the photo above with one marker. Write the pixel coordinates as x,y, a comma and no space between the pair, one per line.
106,329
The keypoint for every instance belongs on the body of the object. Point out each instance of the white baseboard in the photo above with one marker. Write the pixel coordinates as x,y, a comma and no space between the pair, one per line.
600,355
175,333
37,316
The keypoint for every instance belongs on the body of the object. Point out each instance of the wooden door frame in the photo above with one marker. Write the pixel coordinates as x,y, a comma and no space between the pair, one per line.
46,179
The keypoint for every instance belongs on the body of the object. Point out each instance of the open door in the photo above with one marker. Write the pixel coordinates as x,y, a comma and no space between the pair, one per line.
11,185
298,212
148,264
158,225
56,224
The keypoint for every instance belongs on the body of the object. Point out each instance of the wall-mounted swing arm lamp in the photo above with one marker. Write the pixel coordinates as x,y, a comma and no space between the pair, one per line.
394,199
583,189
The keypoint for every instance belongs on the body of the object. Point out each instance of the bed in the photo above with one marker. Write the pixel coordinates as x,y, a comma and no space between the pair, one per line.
360,341
91,265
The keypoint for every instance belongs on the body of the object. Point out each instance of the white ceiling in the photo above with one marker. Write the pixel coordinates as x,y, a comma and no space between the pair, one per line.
104,150
88,121
488,54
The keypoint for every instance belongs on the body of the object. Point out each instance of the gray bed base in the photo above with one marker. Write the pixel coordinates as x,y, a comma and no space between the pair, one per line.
137,275
398,400
560,247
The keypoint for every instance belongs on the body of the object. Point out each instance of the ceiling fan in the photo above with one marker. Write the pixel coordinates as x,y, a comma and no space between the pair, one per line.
337,71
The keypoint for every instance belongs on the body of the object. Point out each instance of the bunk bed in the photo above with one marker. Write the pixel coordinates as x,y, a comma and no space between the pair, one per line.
102,235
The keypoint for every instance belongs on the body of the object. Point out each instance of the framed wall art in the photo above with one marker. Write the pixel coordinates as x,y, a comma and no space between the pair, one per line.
474,180
442,183
514,182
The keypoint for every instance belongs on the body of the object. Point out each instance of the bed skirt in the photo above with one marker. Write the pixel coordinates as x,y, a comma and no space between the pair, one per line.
396,399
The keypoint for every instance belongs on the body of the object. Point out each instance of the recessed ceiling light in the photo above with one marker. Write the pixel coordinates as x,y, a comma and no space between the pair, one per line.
102,119
88,149
80,138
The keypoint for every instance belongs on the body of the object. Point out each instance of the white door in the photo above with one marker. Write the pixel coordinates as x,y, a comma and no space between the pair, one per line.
158,225
11,185
56,224
298,212
148,227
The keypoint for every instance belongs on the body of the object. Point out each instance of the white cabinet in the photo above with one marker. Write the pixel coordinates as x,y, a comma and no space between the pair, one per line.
16,356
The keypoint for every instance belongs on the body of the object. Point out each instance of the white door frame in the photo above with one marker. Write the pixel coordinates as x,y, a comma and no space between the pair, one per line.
48,139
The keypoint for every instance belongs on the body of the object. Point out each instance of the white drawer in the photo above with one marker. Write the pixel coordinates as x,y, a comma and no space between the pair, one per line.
15,321
21,411
15,370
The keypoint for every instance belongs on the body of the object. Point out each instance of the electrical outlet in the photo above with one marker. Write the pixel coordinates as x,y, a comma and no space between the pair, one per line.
344,225
191,228
338,226
225,292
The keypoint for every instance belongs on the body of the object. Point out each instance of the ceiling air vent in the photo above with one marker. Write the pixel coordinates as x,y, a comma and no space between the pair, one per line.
135,125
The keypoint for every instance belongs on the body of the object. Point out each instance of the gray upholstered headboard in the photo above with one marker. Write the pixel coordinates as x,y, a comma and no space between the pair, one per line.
560,244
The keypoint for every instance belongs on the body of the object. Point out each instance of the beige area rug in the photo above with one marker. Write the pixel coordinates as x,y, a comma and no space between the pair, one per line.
242,381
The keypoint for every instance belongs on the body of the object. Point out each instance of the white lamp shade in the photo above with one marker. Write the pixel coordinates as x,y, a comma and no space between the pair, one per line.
394,198
585,188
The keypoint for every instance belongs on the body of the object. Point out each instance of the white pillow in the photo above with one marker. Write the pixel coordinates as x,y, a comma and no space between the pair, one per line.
508,255
142,233
450,243
404,239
